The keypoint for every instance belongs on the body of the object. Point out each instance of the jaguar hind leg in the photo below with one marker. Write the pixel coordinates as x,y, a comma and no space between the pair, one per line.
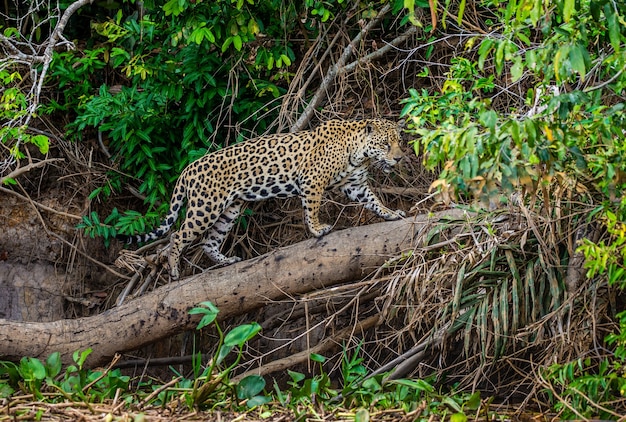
214,238
311,204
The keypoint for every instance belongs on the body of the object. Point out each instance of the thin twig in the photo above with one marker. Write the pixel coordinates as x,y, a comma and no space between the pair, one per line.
303,356
104,373
334,71
25,169
158,391
56,236
42,206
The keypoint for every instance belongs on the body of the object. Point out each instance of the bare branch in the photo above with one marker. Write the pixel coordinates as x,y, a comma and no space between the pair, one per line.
21,170
47,55
334,71
339,257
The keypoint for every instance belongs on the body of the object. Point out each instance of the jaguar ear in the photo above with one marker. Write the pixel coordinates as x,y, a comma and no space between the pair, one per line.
369,128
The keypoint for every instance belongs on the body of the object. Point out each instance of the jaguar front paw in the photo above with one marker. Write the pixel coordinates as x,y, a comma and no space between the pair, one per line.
393,215
320,230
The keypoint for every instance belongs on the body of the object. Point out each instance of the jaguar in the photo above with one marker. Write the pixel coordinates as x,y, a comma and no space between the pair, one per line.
337,154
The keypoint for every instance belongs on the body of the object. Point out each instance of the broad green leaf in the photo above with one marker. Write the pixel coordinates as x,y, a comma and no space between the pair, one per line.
286,60
32,369
53,365
227,42
250,386
488,119
560,55
569,7
174,7
416,384
258,401
5,390
536,11
458,417
42,143
362,415
237,42
500,56
224,351
577,61
613,25
241,334
317,358
209,312
253,26
296,376
483,52
517,70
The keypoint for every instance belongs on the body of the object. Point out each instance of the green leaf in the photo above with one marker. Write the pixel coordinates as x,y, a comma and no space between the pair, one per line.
569,7
241,334
53,365
224,351
286,60
250,386
173,7
6,390
613,25
32,369
458,417
81,357
362,415
488,119
500,57
296,377
237,42
517,70
561,54
317,358
473,403
258,401
577,60
227,42
459,18
42,143
209,312
483,52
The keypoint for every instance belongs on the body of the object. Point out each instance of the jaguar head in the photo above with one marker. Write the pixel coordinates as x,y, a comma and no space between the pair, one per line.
383,143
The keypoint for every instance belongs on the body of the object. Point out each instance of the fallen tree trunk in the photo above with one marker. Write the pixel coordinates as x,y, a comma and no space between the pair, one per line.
338,257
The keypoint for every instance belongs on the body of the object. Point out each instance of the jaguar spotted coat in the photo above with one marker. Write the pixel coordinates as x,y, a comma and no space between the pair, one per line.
336,154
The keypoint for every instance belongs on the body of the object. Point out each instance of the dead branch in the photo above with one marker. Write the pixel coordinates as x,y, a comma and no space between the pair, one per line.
334,71
313,264
25,169
320,348
56,35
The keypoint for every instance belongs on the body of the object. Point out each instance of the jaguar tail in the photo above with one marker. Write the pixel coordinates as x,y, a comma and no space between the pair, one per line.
176,203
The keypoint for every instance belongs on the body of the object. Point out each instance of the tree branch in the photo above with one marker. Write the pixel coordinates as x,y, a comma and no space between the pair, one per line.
21,170
314,264
335,70
47,55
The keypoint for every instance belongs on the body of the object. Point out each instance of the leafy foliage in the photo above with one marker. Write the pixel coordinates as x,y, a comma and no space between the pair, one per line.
211,387
170,74
76,384
568,132
14,111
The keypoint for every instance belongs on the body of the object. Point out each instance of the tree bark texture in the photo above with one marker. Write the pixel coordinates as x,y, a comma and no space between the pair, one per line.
313,264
